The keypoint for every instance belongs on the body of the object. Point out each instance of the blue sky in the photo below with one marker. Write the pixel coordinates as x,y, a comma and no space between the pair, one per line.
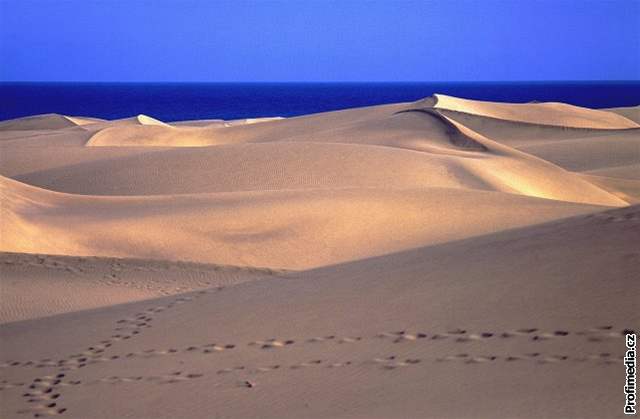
319,40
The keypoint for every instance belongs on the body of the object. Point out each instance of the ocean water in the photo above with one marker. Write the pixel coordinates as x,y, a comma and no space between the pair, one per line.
182,101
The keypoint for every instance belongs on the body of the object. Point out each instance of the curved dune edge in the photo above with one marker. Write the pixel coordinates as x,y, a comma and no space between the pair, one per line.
143,120
630,112
551,113
83,120
509,170
280,229
285,166
457,137
515,171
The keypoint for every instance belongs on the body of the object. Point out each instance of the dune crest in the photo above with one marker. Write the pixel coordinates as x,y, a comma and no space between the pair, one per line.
554,114
141,120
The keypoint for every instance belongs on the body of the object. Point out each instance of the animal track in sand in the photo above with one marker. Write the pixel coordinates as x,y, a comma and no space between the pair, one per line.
4,384
171,378
135,325
618,217
43,396
596,334
208,348
602,358
43,390
271,343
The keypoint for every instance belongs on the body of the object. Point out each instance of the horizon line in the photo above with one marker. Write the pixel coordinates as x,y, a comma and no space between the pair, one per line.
319,82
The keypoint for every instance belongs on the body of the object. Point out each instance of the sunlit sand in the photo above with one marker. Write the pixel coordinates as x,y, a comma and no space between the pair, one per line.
441,258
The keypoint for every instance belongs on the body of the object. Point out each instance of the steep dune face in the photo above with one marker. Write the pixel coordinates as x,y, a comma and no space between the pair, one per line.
509,170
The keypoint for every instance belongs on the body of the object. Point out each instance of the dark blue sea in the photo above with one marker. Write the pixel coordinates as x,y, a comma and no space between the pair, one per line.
181,101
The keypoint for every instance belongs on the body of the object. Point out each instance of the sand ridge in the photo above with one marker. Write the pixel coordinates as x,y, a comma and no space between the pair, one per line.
547,113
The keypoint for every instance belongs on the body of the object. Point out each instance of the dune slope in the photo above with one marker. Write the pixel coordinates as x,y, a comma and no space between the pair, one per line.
555,114
446,258
261,228
316,345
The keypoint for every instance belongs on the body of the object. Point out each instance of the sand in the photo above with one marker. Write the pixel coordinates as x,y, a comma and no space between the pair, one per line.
446,258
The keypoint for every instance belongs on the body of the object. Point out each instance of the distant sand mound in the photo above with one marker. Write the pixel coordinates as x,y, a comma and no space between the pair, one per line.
146,131
82,120
249,121
38,122
630,112
141,120
555,114
156,135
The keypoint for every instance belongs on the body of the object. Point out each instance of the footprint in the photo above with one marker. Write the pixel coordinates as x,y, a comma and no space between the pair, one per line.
271,343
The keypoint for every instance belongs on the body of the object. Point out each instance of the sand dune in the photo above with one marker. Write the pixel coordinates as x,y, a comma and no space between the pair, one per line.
38,122
556,114
630,112
626,189
583,154
261,228
281,165
451,155
141,120
442,258
631,171
316,345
